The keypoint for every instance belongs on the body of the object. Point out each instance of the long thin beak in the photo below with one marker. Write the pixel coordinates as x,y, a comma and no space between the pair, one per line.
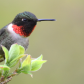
45,20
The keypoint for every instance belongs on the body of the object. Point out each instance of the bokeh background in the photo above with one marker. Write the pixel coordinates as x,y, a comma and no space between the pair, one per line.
61,42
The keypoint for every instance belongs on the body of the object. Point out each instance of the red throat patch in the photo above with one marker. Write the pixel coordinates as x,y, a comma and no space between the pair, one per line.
20,30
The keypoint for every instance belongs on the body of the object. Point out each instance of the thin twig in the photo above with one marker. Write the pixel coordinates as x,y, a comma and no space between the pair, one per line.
6,81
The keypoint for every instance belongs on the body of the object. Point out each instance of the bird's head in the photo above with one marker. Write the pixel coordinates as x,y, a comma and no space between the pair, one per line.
24,23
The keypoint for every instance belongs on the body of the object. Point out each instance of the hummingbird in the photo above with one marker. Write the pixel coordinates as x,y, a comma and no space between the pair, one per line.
18,31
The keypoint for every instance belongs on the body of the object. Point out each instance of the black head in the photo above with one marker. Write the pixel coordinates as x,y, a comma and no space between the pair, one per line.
25,18
28,21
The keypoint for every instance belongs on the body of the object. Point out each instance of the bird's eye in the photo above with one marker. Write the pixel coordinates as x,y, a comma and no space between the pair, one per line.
24,20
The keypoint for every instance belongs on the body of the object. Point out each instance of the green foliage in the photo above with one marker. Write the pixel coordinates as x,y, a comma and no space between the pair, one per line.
14,56
36,64
6,53
15,53
25,66
4,67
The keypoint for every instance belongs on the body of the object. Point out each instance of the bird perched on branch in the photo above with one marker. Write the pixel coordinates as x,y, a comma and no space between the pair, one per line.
18,31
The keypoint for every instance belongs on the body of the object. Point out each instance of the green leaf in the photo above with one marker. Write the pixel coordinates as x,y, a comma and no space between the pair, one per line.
15,61
6,53
26,65
4,67
27,61
13,52
5,70
20,63
40,57
11,64
36,64
22,50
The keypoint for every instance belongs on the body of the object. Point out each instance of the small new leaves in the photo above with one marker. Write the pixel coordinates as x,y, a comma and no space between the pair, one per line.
37,63
4,67
4,70
25,66
15,53
40,57
29,65
13,56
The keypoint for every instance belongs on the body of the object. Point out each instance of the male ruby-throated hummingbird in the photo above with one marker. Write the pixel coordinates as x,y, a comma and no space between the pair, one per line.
18,31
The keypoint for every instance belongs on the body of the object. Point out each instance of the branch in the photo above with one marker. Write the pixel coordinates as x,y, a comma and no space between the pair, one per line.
13,57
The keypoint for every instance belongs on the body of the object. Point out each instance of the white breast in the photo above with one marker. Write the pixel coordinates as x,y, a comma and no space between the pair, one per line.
21,40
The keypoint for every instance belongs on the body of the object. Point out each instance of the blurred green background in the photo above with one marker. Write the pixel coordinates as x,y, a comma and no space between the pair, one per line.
61,42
